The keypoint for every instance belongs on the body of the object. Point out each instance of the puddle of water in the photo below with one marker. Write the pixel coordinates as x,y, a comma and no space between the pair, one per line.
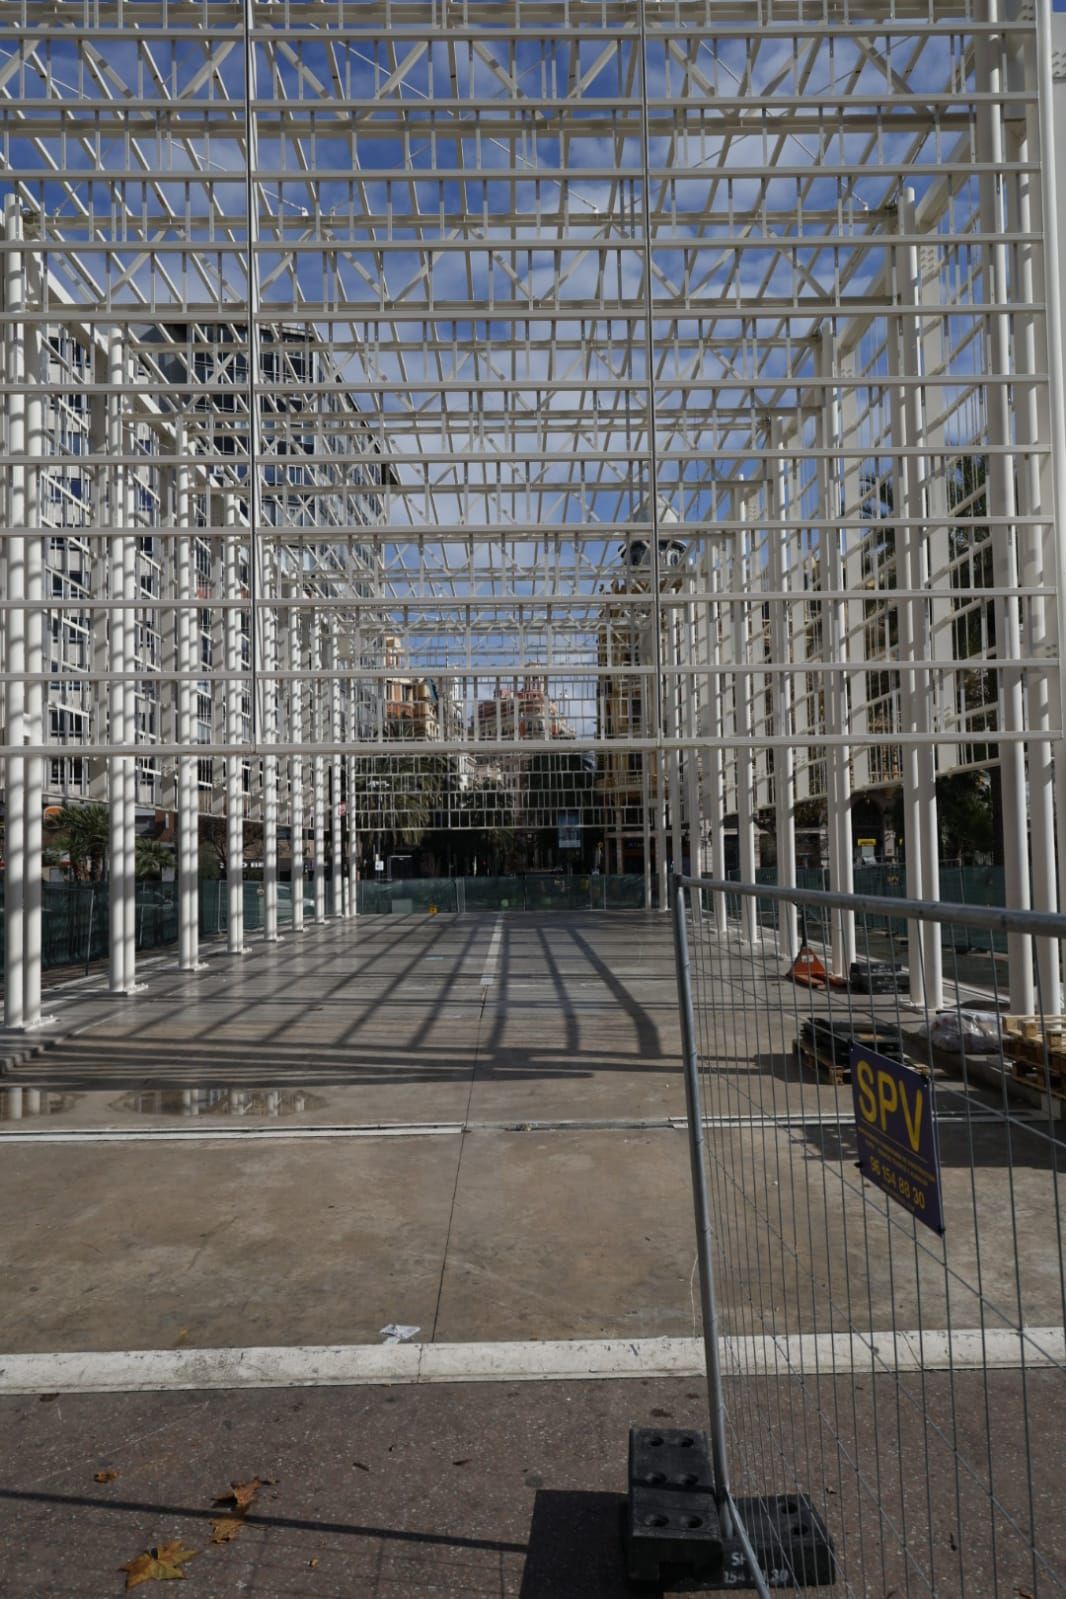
20,1104
269,1103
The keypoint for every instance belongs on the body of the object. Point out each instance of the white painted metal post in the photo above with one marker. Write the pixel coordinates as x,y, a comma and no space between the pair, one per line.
336,820
129,769
671,730
268,636
916,687
662,870
122,906
655,653
15,633
712,719
777,505
353,837
1051,116
745,755
645,826
296,733
36,363
187,627
691,657
838,756
1000,493
318,768
1035,489
234,695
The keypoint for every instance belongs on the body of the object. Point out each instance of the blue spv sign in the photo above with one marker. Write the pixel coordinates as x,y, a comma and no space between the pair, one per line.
897,1135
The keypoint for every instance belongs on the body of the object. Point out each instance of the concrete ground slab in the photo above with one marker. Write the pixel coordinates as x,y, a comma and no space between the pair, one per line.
535,1186
213,1244
506,1490
373,1022
554,1200
587,1232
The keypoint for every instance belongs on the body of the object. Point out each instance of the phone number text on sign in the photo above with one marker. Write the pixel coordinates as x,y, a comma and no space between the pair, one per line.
897,1133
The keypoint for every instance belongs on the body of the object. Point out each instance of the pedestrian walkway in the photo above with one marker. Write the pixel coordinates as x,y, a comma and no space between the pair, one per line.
364,1194
532,1183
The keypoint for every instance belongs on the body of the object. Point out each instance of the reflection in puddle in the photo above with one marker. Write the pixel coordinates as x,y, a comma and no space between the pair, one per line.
268,1102
19,1104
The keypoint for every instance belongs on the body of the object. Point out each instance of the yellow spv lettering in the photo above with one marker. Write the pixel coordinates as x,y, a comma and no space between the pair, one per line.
867,1103
914,1124
887,1098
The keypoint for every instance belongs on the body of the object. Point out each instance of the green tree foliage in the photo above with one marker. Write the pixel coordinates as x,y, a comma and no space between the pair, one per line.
214,844
152,858
85,830
966,816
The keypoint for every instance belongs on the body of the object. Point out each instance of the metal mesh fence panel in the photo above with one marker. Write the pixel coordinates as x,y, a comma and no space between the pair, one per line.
75,915
883,1176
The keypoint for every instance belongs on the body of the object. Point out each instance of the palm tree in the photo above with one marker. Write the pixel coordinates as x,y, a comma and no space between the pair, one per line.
85,828
153,857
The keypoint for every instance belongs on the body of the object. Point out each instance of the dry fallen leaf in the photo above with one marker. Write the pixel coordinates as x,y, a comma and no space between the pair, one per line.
313,1562
238,1496
162,1564
241,1494
105,1476
225,1528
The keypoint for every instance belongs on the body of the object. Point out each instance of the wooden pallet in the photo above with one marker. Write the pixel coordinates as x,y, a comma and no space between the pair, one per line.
1036,1030
826,1067
1036,1049
821,1065
1033,1075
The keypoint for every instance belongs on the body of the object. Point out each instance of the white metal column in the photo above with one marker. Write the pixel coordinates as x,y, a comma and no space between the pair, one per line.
835,632
744,755
1000,490
1035,496
353,837
671,730
268,639
712,719
15,634
657,759
187,654
921,828
234,696
691,658
36,366
318,768
778,509
1051,103
294,628
122,791
335,818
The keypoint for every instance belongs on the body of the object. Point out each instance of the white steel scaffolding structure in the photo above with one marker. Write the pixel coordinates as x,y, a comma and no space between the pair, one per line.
643,410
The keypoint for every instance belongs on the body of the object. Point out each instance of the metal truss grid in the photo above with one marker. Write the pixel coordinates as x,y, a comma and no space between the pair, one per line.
643,409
